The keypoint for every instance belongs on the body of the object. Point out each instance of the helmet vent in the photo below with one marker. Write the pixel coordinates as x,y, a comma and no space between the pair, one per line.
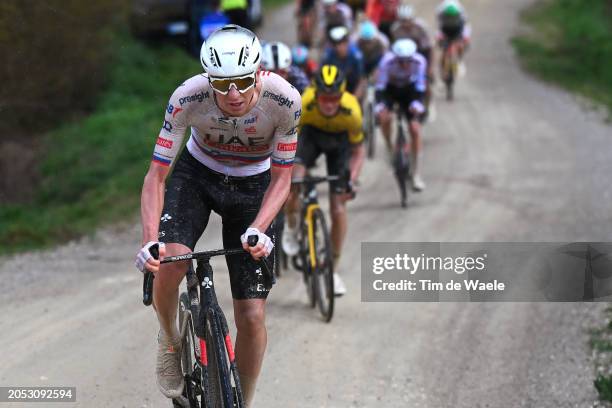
275,55
256,59
217,57
240,62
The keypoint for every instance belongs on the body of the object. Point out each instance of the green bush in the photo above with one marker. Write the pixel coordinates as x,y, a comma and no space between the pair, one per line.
55,58
571,45
93,168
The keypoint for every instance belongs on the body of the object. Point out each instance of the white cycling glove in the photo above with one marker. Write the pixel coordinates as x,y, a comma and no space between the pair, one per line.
261,238
379,107
144,255
417,107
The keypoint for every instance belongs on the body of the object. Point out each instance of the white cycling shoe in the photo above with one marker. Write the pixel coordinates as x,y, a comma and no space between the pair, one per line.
339,287
290,242
417,183
168,368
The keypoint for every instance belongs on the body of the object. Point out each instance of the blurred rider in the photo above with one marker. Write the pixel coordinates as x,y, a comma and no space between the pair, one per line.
401,81
408,26
346,56
301,58
373,45
276,57
453,26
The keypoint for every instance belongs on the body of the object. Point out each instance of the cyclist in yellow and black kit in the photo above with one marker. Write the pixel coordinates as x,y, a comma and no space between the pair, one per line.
331,124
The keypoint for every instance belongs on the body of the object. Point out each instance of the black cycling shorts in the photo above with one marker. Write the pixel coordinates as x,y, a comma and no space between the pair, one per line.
313,142
403,97
192,192
452,30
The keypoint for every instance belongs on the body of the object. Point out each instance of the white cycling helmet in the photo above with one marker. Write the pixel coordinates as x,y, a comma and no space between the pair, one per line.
329,2
404,48
405,12
231,51
275,55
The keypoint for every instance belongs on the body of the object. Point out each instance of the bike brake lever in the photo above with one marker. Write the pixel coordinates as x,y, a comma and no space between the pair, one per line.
147,283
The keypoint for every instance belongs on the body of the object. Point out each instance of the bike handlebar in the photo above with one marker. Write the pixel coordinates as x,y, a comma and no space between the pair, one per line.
147,284
314,179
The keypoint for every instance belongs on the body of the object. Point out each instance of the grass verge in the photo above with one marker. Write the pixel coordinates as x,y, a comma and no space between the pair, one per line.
270,4
92,169
570,44
601,344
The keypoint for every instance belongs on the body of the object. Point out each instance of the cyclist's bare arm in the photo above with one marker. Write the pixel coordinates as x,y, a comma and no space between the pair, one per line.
151,204
274,198
356,160
361,88
357,148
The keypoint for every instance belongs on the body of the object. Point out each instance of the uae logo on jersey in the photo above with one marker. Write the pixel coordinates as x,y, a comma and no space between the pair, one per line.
164,142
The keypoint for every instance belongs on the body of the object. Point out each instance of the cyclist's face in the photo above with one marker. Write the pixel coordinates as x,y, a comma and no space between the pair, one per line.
328,104
342,48
404,62
236,103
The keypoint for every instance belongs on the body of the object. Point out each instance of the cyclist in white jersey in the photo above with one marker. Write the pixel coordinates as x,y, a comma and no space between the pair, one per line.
237,162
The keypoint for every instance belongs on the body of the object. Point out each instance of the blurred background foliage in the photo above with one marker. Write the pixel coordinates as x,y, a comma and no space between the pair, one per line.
81,104
55,57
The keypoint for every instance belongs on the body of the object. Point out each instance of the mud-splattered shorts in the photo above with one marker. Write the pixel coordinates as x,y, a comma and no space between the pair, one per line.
192,192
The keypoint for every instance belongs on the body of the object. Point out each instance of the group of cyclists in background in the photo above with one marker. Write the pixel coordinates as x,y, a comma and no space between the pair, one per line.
377,43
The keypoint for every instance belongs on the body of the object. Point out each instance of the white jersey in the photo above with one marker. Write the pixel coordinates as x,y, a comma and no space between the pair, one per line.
236,146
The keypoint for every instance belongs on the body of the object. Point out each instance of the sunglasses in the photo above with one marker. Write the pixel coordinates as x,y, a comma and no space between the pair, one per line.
328,98
223,85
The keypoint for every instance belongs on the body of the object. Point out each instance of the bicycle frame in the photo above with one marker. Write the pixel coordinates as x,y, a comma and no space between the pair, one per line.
449,66
203,304
310,203
401,157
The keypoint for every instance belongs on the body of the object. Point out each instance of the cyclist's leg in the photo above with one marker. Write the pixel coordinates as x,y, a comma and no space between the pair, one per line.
416,160
251,341
337,160
384,113
183,221
239,206
428,53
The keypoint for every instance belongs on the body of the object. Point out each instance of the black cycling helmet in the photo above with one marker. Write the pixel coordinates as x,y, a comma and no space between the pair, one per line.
330,79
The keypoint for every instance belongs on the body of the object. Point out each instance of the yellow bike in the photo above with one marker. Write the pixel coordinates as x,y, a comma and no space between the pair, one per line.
450,65
315,258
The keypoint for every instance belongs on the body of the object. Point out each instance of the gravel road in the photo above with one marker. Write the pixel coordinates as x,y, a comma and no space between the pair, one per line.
511,160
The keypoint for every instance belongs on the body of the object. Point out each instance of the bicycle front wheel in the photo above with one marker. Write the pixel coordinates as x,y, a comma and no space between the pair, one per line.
213,384
305,264
401,166
370,129
190,352
323,270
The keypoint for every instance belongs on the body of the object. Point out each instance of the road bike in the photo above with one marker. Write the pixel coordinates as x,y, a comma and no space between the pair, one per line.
401,158
315,258
207,356
450,66
369,120
280,258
